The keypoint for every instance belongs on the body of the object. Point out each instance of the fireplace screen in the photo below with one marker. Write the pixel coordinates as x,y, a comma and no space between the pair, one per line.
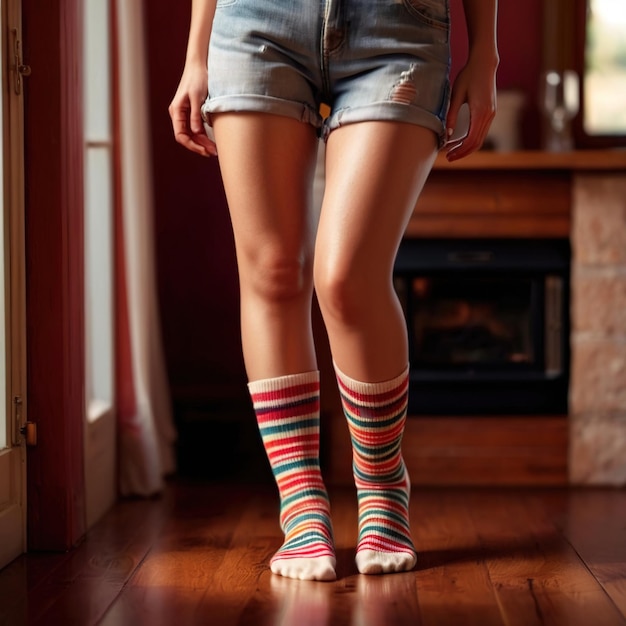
487,325
479,322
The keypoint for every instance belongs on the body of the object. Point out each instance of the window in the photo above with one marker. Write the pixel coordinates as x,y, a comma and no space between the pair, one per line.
99,338
605,68
589,37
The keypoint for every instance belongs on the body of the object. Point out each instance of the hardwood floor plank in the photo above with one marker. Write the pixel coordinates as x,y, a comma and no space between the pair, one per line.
205,562
282,602
97,569
595,526
511,555
391,599
83,602
21,578
453,584
537,576
176,575
236,583
157,606
588,595
200,555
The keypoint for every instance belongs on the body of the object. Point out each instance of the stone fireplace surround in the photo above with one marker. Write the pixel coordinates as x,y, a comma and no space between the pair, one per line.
598,337
580,195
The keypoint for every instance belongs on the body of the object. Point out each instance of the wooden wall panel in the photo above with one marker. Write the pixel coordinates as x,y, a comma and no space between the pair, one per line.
54,266
479,451
459,203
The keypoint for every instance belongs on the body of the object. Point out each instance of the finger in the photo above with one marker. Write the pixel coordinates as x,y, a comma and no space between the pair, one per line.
195,117
456,101
205,143
463,148
196,142
178,115
479,126
200,144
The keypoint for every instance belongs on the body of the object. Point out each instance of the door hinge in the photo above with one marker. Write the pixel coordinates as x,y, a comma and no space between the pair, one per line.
19,68
28,430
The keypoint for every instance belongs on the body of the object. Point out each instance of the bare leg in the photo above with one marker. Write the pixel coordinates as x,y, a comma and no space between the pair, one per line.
375,171
267,166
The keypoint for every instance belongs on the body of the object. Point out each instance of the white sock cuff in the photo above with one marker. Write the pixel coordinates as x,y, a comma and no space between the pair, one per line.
371,388
282,382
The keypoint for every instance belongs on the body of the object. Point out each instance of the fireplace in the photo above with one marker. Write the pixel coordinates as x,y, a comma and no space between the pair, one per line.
488,325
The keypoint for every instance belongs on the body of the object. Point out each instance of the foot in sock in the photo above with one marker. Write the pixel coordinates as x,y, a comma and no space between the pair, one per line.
376,414
384,535
307,553
287,410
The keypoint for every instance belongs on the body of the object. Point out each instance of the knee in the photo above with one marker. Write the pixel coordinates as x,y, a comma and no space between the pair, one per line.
276,276
340,296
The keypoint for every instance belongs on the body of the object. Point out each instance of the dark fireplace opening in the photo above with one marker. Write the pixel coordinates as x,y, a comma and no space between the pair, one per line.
488,325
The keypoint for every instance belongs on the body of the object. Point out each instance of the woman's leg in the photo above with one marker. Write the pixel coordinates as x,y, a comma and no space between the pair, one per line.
374,173
267,166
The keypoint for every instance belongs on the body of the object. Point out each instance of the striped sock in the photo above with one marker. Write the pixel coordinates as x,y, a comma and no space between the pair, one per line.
287,410
376,414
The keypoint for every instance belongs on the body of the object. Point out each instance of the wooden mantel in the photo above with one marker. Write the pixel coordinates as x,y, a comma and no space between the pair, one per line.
505,194
490,194
538,160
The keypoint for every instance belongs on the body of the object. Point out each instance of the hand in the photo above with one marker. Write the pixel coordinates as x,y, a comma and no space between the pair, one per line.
475,85
185,113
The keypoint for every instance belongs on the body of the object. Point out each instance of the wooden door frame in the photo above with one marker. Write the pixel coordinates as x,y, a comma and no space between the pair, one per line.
54,269
13,457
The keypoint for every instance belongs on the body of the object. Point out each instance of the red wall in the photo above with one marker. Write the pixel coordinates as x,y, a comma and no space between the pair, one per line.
197,275
519,42
196,265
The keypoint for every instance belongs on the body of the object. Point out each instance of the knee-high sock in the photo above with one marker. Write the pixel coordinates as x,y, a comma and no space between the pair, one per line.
287,410
376,415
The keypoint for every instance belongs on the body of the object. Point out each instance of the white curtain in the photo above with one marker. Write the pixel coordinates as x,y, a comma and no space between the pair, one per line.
146,438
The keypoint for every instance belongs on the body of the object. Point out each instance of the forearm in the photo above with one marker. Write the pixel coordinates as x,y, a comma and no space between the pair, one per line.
202,12
481,20
186,107
475,84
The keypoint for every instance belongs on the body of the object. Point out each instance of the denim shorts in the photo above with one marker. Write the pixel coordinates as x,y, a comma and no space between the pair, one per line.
365,59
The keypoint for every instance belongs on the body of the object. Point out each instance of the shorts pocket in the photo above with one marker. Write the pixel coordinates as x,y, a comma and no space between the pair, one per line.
224,3
433,13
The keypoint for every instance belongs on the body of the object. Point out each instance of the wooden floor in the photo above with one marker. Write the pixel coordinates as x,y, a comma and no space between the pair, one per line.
199,555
